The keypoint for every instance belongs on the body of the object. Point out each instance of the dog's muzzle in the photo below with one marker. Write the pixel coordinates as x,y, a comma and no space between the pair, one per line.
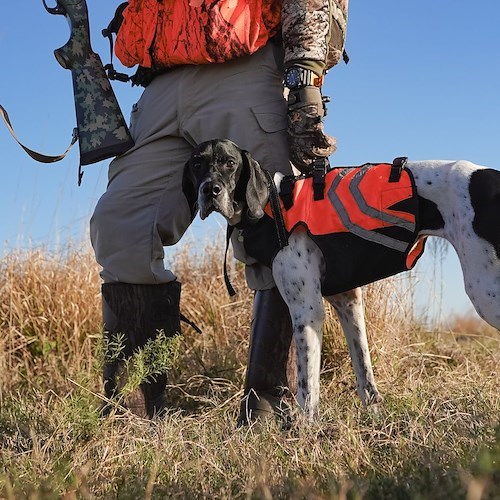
212,196
210,188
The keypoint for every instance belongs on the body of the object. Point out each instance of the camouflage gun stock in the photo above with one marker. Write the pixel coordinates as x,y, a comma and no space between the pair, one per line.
102,130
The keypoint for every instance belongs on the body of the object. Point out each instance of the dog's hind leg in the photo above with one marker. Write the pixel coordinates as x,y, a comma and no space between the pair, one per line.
297,271
349,308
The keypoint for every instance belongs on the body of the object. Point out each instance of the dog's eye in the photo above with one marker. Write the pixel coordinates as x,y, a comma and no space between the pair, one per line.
231,163
196,165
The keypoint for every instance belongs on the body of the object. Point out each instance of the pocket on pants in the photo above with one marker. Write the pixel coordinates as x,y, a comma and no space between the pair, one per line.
134,118
273,152
271,116
173,217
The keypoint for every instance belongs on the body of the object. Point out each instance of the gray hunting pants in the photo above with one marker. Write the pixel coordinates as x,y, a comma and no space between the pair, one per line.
144,208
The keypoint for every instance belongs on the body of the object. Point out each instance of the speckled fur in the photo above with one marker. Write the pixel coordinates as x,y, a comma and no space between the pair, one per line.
446,183
299,267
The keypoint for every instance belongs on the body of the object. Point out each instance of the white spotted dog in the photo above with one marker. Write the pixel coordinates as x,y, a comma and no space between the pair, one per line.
457,200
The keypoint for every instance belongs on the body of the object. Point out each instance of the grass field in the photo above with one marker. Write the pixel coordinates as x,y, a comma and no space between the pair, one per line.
437,435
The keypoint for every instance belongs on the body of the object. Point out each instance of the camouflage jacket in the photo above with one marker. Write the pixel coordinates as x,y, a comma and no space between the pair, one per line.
314,32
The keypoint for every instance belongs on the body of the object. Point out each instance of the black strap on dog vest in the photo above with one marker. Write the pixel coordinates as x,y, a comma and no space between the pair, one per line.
274,201
230,289
286,191
278,221
398,164
319,172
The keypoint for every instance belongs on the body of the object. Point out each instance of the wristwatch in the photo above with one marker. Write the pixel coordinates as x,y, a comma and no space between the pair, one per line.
296,78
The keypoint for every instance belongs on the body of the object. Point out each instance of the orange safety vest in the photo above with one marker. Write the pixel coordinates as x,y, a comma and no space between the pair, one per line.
173,32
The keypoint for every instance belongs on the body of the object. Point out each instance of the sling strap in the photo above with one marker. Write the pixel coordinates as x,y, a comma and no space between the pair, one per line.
108,32
34,154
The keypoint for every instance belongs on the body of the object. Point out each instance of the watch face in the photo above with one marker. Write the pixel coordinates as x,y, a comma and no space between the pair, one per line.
292,78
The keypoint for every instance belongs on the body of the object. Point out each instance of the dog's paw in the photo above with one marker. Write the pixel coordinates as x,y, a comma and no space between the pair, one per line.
373,403
374,409
372,400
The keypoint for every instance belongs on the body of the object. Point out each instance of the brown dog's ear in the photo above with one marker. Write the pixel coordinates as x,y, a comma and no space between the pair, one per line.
257,191
190,189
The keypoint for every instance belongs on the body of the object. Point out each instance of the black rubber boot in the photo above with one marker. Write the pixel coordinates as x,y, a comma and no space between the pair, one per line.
137,312
267,383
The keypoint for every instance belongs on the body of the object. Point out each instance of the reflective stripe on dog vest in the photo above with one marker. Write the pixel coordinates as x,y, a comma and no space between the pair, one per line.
374,213
360,201
174,32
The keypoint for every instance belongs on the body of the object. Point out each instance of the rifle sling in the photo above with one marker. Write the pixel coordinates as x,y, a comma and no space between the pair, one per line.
34,154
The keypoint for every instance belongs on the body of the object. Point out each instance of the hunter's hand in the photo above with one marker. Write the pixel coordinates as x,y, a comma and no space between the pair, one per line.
306,136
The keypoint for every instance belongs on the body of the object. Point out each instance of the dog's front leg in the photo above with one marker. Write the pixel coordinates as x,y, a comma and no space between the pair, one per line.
349,308
297,271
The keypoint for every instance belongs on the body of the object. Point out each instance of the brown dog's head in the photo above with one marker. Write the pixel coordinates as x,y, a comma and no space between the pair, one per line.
223,178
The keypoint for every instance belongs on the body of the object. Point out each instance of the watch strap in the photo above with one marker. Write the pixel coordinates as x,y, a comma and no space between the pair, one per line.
307,77
310,78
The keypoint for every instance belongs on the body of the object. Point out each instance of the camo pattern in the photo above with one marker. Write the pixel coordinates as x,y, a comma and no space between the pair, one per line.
314,30
102,129
307,138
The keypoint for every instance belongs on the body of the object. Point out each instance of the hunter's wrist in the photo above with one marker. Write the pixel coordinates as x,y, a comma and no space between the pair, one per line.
296,77
305,95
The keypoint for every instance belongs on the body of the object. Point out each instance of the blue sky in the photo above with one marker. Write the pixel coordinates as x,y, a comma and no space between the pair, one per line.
423,82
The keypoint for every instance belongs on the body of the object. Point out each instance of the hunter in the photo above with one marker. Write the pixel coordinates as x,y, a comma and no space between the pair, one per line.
211,69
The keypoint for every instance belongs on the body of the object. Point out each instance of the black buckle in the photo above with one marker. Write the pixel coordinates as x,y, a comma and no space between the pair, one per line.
398,164
318,173
115,75
286,191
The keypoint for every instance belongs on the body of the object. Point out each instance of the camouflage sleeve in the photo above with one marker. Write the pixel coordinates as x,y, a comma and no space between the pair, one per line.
314,33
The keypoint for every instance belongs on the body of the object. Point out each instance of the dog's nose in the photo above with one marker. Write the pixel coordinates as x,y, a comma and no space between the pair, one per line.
211,188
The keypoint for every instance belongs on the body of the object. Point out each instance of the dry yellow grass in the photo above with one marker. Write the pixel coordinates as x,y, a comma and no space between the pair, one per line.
436,436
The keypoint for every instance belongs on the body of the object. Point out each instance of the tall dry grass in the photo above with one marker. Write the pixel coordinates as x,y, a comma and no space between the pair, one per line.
435,437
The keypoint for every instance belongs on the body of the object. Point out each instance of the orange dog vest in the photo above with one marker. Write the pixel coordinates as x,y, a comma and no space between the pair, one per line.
365,226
